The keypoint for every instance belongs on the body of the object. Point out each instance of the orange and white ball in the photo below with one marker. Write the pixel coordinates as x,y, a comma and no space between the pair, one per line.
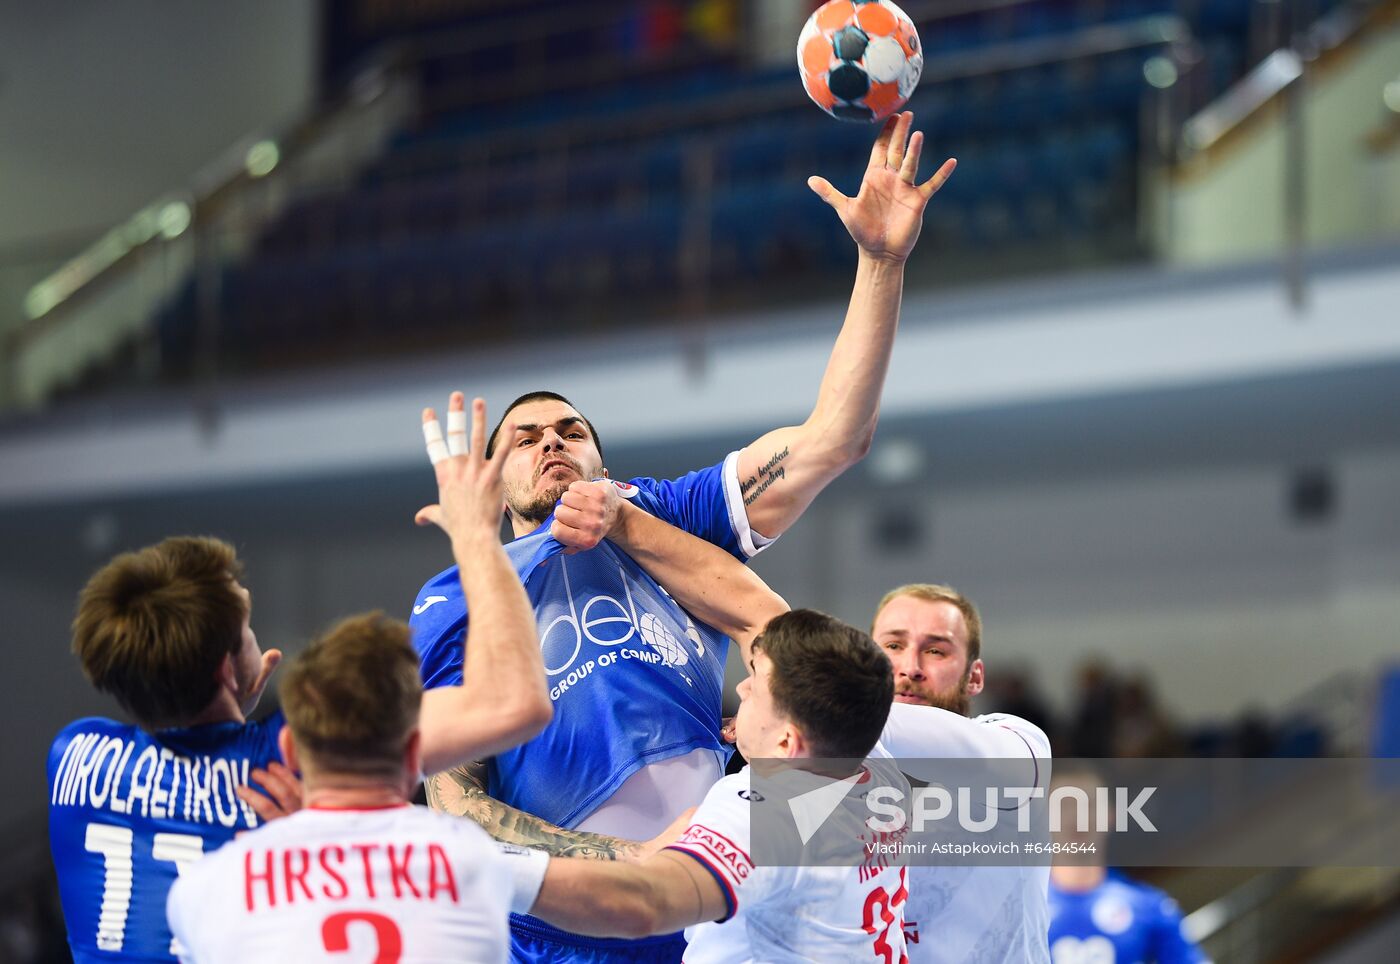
859,59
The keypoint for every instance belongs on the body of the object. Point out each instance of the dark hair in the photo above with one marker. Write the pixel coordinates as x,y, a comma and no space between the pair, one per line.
540,397
352,697
829,678
153,626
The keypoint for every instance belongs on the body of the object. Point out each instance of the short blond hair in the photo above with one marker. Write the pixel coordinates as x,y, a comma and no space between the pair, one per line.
935,592
352,697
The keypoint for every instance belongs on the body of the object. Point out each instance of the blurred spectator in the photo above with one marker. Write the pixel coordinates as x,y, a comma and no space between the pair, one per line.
1012,690
1254,735
1140,728
1091,727
31,924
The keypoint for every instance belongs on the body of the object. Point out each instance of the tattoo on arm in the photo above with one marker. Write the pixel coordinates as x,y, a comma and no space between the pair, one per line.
768,473
462,793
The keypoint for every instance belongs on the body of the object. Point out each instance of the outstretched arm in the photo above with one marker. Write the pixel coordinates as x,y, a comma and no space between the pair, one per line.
502,700
708,582
660,895
461,792
783,471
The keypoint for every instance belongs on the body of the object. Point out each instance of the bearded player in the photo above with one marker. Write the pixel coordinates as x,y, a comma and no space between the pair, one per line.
932,635
611,638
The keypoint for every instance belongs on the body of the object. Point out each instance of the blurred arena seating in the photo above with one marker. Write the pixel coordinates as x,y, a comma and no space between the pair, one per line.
598,164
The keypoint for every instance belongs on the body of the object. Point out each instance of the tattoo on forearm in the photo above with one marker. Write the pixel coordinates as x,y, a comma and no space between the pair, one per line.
768,473
462,793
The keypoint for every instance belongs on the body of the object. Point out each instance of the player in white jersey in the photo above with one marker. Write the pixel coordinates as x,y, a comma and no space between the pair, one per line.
820,689
597,771
360,869
932,635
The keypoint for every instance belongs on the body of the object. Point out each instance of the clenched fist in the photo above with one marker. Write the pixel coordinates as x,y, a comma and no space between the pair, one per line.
586,514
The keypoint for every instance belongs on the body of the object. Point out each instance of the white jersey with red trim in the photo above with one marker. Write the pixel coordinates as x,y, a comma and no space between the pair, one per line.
996,915
791,914
395,884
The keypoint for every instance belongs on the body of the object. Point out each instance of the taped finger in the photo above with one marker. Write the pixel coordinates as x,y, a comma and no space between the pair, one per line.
456,432
432,435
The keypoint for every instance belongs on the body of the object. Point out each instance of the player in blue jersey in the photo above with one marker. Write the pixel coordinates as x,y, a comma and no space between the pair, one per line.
932,637
166,631
636,684
1099,916
1102,918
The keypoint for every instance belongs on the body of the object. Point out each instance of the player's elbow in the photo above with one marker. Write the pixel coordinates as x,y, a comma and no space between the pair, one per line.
834,447
857,444
767,604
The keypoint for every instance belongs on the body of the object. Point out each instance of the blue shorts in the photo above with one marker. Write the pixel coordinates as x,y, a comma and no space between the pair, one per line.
532,941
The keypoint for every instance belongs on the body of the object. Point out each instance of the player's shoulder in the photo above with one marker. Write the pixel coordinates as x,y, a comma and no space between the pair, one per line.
647,487
439,611
92,726
643,491
1148,899
270,724
1032,734
90,729
96,724
737,786
441,588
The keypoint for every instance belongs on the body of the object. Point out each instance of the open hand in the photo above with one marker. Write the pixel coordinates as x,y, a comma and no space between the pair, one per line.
470,492
886,216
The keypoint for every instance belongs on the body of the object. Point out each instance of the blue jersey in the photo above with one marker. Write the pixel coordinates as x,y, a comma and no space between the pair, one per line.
1118,922
633,679
128,809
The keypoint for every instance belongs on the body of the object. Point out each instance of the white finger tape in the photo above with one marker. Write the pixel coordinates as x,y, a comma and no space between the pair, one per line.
457,432
437,448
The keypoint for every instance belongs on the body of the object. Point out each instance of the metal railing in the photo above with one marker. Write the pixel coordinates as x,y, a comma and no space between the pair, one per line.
104,298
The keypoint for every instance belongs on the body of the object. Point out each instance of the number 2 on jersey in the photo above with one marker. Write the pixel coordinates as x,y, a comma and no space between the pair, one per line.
335,934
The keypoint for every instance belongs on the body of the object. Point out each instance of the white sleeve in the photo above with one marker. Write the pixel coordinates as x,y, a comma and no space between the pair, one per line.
526,868
718,837
175,903
928,733
750,541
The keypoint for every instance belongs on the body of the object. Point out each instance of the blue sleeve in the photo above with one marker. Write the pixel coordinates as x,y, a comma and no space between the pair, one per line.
706,503
271,725
1169,944
439,627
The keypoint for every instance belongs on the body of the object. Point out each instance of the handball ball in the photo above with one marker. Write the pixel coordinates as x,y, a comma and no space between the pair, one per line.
859,59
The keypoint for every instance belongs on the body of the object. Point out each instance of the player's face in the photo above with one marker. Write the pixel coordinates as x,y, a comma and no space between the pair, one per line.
247,662
927,645
759,729
553,450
